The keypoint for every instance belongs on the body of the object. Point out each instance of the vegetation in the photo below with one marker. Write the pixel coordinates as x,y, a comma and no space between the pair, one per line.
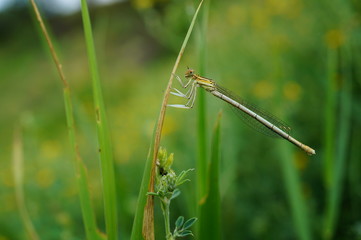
300,60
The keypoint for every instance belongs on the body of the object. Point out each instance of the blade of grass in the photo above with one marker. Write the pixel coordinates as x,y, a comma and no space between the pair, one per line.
143,225
330,111
18,162
210,206
105,147
335,190
202,111
82,181
295,198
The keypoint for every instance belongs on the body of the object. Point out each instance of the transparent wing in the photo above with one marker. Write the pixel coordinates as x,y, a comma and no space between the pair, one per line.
252,122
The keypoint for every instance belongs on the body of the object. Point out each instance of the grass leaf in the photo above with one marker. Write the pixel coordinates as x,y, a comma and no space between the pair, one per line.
334,194
210,208
18,162
143,226
105,147
82,181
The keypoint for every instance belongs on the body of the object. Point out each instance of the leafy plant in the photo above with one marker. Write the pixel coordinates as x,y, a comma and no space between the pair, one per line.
166,185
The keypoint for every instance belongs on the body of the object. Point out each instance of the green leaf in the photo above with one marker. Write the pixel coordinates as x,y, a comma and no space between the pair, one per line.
180,179
210,207
334,194
104,140
179,222
189,223
142,197
138,220
89,220
175,194
185,233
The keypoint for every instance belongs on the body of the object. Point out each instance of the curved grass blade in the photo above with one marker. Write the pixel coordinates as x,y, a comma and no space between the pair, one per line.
18,162
143,225
82,181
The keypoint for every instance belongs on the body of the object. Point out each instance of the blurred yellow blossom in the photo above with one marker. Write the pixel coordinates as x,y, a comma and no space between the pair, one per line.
334,38
300,160
260,18
292,91
45,178
7,177
236,15
263,89
287,8
143,4
50,149
169,126
63,218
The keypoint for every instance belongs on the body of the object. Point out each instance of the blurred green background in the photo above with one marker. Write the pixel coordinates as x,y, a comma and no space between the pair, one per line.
299,59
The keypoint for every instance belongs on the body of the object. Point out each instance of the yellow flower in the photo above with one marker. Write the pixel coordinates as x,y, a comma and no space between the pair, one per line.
236,15
300,160
334,38
263,89
50,149
260,19
63,218
169,126
292,91
45,178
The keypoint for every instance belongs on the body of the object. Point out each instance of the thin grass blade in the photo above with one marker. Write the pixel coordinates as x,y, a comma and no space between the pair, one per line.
143,225
330,113
105,146
91,229
201,164
18,163
210,206
335,190
300,212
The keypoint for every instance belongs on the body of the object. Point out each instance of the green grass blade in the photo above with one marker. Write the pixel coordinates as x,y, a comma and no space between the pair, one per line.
105,148
201,164
18,162
335,190
330,111
83,187
143,225
142,197
210,206
295,197
89,219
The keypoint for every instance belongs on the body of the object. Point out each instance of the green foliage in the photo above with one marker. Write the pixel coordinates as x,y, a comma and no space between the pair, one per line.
210,205
300,60
105,145
166,190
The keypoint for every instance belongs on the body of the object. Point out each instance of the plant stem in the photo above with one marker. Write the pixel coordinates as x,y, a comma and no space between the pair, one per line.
165,202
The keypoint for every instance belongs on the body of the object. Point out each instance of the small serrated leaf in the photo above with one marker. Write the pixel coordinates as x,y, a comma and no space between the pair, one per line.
185,233
175,194
179,222
182,175
189,223
183,181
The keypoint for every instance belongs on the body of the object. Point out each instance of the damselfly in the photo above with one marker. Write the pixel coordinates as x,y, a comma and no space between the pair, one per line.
257,118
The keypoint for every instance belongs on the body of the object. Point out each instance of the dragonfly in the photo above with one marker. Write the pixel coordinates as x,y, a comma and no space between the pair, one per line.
254,116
